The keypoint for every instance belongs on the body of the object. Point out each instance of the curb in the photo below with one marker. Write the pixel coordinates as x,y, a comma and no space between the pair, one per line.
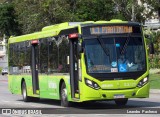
155,91
4,81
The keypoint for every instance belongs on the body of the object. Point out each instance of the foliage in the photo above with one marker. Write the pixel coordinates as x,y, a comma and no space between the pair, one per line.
28,17
8,23
57,11
154,62
0,69
139,9
154,80
49,12
5,1
155,59
102,10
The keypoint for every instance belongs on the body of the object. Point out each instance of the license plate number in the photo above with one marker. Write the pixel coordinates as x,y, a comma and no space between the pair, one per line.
119,96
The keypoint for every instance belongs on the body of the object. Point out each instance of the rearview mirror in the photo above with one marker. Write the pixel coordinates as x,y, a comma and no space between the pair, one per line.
80,50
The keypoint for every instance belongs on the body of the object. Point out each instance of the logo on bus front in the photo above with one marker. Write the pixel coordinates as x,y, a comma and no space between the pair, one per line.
122,67
104,86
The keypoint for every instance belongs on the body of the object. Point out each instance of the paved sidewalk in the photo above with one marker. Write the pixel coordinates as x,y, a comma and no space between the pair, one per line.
155,91
3,77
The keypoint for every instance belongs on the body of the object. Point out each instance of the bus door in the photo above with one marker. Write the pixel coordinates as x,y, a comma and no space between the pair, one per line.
74,77
34,66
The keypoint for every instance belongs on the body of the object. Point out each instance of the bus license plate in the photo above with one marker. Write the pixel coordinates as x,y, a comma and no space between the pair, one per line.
119,96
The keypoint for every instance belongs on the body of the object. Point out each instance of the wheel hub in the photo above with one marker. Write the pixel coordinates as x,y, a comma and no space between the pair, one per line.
24,93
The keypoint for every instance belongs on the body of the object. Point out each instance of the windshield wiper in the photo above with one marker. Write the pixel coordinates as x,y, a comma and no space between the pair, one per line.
106,50
125,46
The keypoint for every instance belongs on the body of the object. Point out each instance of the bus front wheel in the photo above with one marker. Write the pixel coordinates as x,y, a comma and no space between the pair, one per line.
121,102
63,96
26,98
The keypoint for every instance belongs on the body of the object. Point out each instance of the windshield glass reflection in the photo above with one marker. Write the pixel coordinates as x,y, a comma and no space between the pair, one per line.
115,54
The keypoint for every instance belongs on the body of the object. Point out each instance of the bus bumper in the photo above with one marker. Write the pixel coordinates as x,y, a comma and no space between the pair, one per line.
92,94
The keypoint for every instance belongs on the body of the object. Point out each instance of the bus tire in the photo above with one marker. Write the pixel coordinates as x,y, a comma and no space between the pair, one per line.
26,98
64,96
121,102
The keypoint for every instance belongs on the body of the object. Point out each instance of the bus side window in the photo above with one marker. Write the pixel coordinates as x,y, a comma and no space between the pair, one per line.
44,56
63,67
53,56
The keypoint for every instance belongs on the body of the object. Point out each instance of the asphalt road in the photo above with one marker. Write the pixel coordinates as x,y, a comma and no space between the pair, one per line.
149,106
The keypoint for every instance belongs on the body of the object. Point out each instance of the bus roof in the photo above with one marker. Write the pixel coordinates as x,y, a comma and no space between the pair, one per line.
54,30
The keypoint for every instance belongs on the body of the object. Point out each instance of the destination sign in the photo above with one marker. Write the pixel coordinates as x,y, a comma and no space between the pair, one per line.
111,29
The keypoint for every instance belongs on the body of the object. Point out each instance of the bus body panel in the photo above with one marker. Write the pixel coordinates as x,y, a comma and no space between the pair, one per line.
91,94
50,86
15,83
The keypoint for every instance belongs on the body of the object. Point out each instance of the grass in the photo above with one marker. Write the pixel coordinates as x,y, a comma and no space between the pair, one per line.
154,81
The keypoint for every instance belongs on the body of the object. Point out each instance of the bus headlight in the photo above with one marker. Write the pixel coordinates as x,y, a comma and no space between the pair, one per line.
143,82
92,84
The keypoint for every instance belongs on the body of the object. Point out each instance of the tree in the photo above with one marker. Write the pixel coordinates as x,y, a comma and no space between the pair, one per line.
35,14
94,10
156,41
8,22
137,10
29,16
5,1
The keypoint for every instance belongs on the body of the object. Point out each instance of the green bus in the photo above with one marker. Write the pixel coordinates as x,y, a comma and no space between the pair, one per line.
80,61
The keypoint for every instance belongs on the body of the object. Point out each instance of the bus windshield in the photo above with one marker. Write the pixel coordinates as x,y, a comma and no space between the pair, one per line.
115,54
